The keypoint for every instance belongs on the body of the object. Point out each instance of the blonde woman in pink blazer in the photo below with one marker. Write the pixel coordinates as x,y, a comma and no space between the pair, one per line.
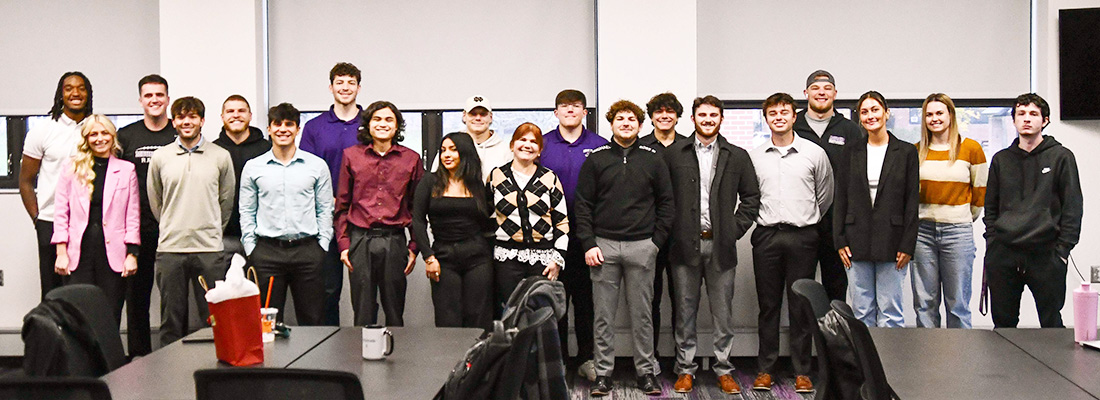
97,216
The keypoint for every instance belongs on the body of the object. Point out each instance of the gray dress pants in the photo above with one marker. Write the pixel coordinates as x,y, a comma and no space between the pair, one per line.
689,281
630,264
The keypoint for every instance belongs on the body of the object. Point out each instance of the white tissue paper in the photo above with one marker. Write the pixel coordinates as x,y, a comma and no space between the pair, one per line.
235,284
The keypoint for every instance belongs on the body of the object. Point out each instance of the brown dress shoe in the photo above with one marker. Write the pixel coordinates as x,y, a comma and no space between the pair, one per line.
728,384
763,382
802,384
683,384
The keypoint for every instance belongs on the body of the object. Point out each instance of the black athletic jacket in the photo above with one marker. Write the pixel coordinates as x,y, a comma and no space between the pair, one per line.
1034,199
839,133
623,194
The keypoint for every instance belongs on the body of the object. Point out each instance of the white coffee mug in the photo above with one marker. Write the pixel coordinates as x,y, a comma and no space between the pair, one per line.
377,342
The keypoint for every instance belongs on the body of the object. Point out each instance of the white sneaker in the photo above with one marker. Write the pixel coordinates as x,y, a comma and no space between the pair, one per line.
587,370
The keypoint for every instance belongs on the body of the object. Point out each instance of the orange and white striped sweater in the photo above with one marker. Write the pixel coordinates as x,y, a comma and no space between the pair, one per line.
953,192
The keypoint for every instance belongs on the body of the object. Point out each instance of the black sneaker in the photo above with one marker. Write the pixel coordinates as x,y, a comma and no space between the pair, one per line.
601,387
648,384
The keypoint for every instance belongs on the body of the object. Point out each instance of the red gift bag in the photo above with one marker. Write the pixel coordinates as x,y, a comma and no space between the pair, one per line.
238,338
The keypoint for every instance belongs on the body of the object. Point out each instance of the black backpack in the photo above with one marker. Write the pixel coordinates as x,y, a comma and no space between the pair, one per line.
511,360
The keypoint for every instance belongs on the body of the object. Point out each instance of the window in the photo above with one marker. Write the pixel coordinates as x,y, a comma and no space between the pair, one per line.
414,128
5,168
989,125
504,121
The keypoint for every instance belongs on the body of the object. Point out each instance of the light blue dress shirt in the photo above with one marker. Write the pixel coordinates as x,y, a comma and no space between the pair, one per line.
286,201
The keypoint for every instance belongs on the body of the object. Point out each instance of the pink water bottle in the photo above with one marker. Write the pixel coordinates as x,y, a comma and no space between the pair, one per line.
1084,313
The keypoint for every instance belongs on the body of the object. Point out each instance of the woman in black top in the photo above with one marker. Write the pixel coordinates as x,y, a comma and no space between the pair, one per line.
460,262
96,226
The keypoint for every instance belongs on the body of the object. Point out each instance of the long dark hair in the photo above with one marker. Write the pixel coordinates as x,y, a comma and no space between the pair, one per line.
364,122
58,95
468,170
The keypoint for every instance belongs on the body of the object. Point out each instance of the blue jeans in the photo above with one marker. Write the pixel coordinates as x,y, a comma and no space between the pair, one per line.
944,258
875,288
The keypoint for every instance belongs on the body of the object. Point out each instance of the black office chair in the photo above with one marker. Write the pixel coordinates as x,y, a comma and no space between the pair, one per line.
275,384
875,386
72,333
812,296
54,388
93,304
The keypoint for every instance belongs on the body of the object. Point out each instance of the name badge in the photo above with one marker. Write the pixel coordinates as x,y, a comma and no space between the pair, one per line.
837,140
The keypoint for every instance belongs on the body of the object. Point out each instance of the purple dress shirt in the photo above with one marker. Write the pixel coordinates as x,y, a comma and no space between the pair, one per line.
327,136
565,159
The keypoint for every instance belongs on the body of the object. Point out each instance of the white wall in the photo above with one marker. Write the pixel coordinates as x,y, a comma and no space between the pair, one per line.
212,49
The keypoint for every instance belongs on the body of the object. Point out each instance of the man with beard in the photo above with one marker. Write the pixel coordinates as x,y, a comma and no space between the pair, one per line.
796,187
243,142
710,177
138,141
46,149
822,125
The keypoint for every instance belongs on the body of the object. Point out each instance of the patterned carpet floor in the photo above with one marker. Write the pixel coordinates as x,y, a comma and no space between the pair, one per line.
706,383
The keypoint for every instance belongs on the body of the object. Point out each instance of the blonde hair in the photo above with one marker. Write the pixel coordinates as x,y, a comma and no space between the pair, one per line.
953,138
84,159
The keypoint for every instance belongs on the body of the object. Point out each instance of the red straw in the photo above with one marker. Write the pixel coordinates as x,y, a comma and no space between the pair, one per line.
270,281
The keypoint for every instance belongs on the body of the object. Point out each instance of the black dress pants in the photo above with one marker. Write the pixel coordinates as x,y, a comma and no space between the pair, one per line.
664,268
1009,269
296,265
509,274
578,289
93,269
139,292
378,258
833,275
463,297
781,255
333,271
47,256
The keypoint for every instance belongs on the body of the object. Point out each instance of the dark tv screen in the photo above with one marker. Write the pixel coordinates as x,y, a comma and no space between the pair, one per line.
1079,61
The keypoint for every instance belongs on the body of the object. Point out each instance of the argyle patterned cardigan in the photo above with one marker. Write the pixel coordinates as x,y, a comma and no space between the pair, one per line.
532,223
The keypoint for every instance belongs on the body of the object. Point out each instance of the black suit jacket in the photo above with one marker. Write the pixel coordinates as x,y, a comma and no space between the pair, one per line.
734,179
877,233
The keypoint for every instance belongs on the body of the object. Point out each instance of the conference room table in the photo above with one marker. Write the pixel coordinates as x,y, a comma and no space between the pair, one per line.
1056,349
979,364
421,360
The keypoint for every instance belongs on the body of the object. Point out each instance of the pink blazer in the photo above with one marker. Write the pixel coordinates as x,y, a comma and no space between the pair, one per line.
121,212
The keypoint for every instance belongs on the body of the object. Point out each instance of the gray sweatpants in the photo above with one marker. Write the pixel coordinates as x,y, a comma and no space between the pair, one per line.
631,264
689,281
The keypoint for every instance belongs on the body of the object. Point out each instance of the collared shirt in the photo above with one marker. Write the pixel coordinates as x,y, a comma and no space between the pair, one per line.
285,201
565,159
706,155
53,143
190,149
375,191
327,136
796,184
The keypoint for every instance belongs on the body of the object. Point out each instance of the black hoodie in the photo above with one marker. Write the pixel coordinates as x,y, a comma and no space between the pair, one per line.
1033,199
252,146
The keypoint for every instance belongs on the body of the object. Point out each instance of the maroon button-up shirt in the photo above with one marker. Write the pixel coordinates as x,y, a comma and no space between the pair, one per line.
375,191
